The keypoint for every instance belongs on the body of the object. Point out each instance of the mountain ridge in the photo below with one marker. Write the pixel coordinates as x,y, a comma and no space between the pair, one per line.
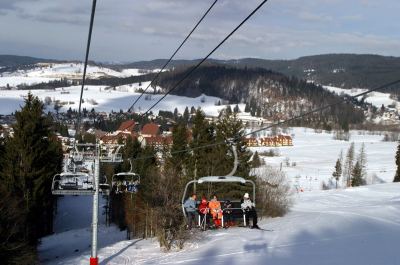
342,70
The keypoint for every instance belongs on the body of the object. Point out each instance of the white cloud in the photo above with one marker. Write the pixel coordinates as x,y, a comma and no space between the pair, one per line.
142,29
315,17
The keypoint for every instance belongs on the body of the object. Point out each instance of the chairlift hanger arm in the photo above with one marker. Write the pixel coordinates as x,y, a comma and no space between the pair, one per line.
236,161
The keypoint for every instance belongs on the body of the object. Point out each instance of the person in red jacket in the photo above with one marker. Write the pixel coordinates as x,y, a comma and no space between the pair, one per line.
203,211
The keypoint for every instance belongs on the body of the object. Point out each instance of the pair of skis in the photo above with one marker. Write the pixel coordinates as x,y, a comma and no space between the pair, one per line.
262,229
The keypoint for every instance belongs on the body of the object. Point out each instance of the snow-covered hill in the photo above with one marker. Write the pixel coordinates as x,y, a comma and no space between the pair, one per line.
311,159
102,99
356,226
55,71
377,99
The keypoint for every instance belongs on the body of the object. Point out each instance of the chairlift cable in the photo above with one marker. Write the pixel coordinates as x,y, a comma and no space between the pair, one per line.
173,55
85,65
206,57
285,121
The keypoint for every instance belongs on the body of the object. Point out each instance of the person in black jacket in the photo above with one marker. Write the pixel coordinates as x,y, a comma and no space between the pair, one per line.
228,218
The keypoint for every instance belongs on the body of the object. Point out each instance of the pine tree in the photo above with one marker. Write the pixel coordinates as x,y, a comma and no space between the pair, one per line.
31,158
186,115
203,133
356,177
230,127
348,165
256,161
176,114
247,108
236,109
180,142
228,110
362,159
14,249
338,171
397,176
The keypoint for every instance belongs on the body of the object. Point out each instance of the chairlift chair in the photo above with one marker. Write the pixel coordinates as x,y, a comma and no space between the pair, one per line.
77,183
104,187
229,178
220,179
72,183
125,182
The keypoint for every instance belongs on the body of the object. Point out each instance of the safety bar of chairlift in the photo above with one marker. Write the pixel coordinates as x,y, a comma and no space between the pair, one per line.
244,215
129,174
204,220
222,219
79,192
114,158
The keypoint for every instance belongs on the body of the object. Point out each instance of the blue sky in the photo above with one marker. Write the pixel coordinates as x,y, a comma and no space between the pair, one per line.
131,30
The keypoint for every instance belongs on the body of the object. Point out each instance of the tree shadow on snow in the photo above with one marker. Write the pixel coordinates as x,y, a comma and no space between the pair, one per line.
356,241
348,239
110,258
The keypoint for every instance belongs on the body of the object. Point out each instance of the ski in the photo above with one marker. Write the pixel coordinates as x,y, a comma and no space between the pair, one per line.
263,229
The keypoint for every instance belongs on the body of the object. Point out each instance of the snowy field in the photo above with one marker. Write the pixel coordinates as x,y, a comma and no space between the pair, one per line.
315,154
56,71
100,99
377,99
356,226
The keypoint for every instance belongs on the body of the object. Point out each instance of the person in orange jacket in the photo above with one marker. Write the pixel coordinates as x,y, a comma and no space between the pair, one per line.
215,210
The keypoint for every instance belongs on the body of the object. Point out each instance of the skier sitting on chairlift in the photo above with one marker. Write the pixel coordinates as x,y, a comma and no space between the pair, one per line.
249,210
216,212
228,221
203,211
191,210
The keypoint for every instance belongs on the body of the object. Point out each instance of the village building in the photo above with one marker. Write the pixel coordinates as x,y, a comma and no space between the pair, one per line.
274,141
125,130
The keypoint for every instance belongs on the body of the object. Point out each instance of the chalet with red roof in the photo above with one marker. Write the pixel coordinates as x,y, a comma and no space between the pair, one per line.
150,136
127,127
125,130
150,129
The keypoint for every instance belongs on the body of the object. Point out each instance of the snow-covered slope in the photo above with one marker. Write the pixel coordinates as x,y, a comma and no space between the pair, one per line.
56,71
100,99
356,226
377,99
312,158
